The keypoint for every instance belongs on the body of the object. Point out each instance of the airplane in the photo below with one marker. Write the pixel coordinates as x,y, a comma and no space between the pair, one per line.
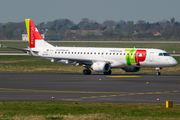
97,59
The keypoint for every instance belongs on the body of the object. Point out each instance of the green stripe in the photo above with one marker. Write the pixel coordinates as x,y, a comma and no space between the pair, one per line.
27,27
130,58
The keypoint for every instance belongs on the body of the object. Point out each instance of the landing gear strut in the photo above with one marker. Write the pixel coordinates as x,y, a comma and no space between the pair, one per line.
86,72
157,71
107,73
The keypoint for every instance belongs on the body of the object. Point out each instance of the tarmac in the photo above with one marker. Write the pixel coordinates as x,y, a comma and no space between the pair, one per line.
121,88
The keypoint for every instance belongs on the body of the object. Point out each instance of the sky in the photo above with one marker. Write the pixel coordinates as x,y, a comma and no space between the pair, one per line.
98,10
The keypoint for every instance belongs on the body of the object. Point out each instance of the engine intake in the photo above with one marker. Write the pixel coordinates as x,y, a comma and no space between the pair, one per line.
101,67
131,69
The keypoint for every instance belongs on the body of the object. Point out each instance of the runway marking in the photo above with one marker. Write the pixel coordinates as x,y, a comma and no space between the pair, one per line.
52,91
121,76
175,91
93,96
165,92
110,94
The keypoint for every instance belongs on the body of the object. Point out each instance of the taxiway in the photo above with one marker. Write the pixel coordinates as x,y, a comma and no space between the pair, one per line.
134,88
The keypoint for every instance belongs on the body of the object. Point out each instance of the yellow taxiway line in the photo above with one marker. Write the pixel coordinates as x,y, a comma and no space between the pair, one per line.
122,76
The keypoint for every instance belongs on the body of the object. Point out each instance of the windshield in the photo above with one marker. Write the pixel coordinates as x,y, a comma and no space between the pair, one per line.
164,54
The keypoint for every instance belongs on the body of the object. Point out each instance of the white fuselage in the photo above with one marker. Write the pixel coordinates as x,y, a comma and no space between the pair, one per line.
116,56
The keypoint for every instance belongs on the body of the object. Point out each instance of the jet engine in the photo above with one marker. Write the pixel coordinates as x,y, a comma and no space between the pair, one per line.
101,66
131,69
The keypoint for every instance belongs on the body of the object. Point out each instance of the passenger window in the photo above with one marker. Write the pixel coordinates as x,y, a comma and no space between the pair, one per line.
81,52
120,53
140,54
113,53
98,53
78,52
62,52
109,53
91,52
95,53
87,52
74,52
127,53
102,53
84,52
68,52
124,53
106,53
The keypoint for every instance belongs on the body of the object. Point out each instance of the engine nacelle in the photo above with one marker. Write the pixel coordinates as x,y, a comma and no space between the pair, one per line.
131,69
101,67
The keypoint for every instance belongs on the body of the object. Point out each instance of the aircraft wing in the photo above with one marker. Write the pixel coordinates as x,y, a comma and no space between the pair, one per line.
22,49
76,60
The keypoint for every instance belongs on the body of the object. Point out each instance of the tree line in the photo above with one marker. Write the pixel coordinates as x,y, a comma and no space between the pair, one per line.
111,30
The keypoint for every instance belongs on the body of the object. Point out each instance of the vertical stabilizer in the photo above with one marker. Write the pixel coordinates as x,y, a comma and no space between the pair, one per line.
34,37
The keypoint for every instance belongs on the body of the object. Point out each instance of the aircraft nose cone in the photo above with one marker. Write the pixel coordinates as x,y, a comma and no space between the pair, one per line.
174,62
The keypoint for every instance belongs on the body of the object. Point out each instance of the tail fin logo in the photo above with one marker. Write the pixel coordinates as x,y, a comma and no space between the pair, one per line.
33,33
32,40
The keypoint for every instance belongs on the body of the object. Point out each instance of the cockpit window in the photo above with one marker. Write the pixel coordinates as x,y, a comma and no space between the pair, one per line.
160,54
166,54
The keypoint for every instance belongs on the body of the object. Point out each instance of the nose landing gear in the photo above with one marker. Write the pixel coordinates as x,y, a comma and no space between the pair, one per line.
157,71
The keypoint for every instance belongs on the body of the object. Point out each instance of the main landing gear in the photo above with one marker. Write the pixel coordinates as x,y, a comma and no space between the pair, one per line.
107,73
86,71
157,71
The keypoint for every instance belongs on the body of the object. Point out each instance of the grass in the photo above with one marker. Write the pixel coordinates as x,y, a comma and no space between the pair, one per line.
169,47
85,111
29,64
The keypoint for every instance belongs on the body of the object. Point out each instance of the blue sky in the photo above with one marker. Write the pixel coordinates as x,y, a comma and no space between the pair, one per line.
98,10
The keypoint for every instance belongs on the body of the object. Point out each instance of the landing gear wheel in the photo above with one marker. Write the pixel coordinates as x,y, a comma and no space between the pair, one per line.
86,72
107,73
158,73
158,69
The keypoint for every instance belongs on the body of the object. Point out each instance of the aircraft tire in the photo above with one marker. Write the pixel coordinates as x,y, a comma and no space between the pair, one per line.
86,72
107,73
89,72
158,73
